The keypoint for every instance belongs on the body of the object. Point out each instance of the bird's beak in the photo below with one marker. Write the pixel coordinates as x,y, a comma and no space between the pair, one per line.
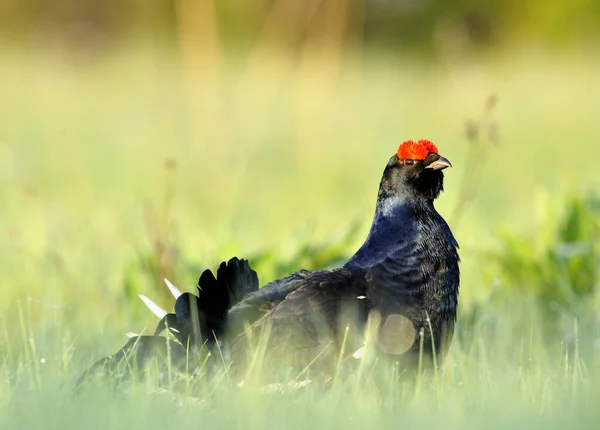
439,164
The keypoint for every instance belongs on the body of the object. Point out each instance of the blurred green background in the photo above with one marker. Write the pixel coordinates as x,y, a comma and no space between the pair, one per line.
144,139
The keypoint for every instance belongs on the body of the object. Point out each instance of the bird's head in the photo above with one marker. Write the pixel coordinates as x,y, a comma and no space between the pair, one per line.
414,172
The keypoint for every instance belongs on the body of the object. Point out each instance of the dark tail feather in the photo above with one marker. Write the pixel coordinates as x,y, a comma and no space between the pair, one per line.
169,322
198,320
205,316
133,358
240,279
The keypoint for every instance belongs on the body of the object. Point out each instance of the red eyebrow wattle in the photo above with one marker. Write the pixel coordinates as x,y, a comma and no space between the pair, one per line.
418,150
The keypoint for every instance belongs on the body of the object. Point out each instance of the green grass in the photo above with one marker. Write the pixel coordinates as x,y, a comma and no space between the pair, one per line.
281,163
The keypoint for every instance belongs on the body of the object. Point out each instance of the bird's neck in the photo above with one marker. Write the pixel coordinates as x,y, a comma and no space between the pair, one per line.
391,207
391,225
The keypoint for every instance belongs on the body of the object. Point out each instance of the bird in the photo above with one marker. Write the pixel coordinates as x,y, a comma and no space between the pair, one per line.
397,294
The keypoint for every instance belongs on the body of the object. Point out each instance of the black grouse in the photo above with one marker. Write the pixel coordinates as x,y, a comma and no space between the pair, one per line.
402,284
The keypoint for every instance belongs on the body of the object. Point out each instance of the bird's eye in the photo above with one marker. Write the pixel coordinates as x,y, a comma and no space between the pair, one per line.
409,161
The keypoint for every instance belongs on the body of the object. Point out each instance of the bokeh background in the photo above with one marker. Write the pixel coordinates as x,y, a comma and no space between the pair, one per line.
144,139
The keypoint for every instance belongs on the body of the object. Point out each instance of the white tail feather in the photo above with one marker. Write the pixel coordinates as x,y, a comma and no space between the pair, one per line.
359,353
154,308
173,289
132,334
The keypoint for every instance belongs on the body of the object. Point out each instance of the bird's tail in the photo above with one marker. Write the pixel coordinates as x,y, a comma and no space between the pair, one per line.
202,319
196,321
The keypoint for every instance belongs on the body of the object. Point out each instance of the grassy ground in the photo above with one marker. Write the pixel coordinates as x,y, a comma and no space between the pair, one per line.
115,170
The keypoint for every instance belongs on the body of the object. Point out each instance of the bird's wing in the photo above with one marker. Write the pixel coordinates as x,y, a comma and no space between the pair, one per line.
392,282
255,305
417,287
396,283
309,316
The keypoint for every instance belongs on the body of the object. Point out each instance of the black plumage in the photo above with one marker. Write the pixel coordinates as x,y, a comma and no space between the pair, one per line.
408,266
202,319
405,277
